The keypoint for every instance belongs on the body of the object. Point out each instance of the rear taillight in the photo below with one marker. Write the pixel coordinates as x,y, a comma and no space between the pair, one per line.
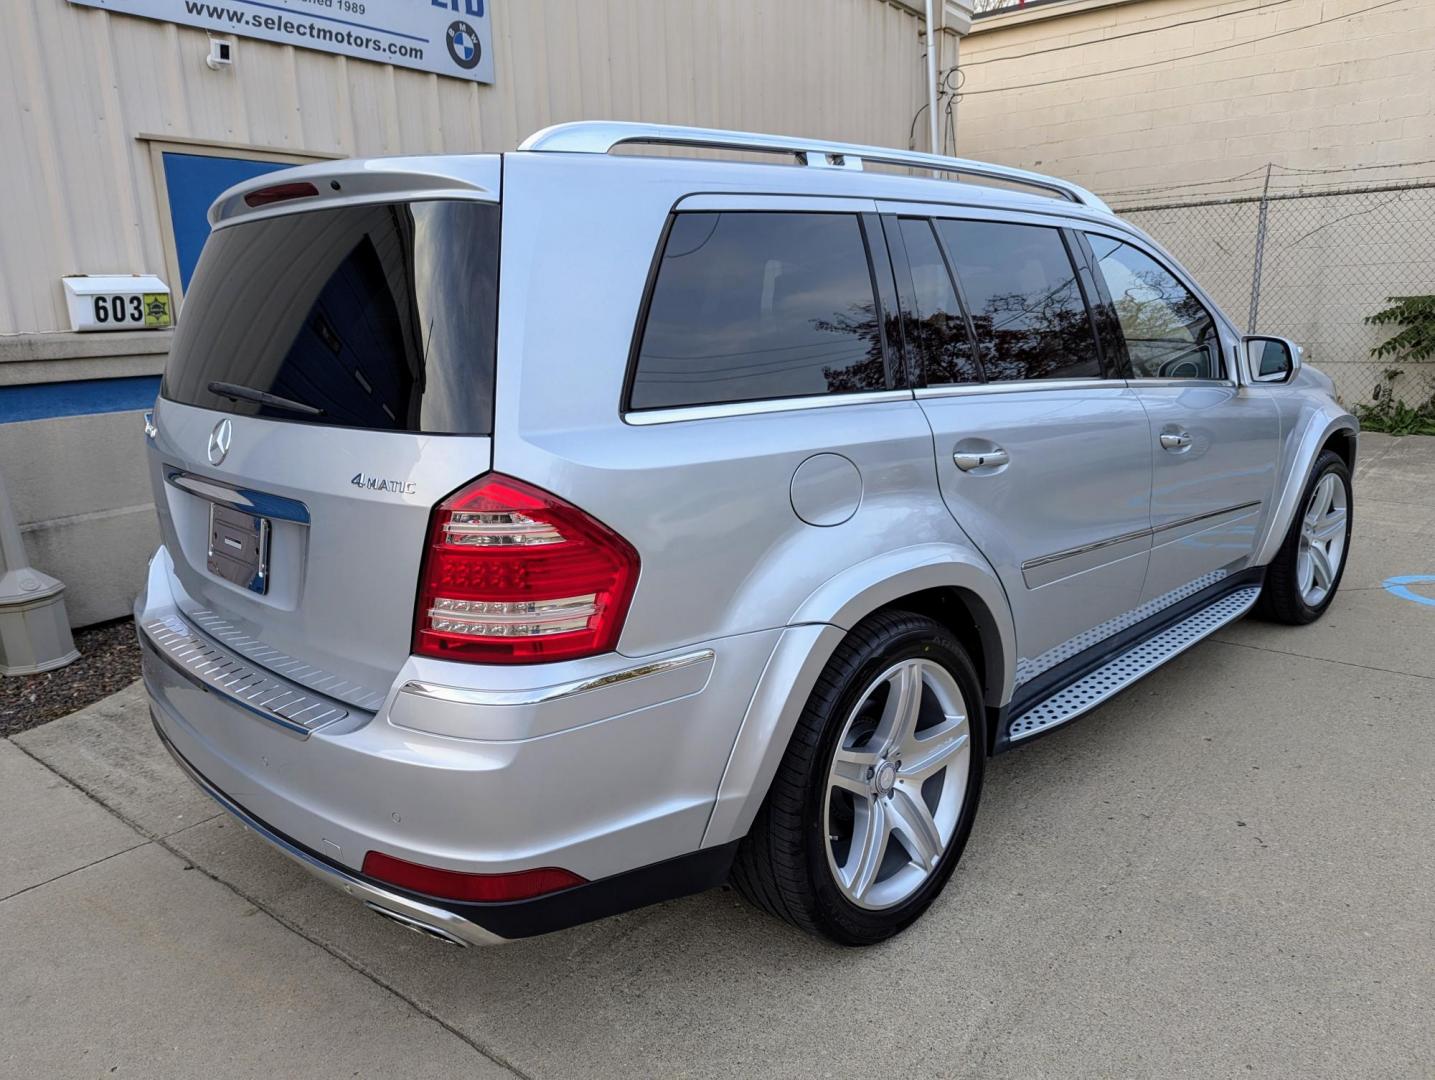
514,575
475,888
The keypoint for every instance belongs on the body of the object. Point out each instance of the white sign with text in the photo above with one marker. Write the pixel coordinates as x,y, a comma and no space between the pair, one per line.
446,37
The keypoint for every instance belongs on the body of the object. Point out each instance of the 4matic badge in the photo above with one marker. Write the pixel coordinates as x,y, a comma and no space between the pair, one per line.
378,483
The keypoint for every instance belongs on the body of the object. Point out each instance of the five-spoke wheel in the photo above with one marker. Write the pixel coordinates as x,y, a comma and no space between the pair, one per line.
896,783
1301,580
876,792
1322,539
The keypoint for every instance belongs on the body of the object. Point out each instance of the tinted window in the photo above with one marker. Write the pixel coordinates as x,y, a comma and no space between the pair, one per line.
936,329
378,316
1168,333
759,305
1027,307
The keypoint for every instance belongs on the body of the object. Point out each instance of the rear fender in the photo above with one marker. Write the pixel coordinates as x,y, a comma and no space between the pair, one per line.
819,625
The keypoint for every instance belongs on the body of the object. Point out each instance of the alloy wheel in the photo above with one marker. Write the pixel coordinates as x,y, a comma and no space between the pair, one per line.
1322,540
897,783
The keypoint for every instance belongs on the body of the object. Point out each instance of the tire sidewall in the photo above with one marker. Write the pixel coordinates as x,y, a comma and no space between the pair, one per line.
1329,462
864,925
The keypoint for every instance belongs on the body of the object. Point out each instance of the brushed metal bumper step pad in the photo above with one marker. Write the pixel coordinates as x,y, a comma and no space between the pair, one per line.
1142,659
206,664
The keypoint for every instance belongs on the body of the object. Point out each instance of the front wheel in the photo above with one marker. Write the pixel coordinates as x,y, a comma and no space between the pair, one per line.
876,794
1302,580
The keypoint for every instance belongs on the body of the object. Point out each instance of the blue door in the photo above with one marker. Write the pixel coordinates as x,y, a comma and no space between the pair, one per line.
194,181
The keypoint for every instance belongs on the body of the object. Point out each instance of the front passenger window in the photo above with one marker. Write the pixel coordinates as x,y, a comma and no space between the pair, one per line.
1169,334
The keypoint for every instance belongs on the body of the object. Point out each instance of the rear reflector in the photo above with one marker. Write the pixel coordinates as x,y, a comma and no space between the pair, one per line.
473,888
279,193
514,575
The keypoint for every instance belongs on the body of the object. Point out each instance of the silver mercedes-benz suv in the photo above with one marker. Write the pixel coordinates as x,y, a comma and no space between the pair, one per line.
555,532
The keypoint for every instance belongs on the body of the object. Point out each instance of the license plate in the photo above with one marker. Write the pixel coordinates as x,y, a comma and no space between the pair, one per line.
239,547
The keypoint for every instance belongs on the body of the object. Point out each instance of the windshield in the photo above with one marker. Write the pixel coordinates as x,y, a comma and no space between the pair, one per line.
364,316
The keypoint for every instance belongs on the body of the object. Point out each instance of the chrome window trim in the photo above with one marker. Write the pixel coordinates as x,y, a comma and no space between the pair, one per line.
1228,383
717,202
238,498
1015,386
647,417
463,696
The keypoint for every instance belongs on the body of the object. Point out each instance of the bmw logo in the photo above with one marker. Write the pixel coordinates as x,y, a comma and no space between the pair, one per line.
463,44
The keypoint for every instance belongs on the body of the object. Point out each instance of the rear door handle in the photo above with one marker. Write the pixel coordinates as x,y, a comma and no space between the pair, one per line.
1175,440
967,460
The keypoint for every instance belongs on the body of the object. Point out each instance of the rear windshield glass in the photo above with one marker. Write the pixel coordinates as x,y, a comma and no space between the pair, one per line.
365,316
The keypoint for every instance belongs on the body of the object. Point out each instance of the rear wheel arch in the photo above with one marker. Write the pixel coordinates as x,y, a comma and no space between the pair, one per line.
969,620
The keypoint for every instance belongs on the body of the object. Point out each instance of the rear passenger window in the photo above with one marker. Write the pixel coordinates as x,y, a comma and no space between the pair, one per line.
1169,334
936,329
1027,307
754,305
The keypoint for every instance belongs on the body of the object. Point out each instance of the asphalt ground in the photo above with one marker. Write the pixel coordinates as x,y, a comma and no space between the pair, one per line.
1228,870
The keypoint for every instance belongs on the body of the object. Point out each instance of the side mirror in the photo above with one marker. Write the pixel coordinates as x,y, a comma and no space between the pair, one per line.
1272,359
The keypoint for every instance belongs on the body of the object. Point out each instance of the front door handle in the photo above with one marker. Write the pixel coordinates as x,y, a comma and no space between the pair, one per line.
967,460
1175,440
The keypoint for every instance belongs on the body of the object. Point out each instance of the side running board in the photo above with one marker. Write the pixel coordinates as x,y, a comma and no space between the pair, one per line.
1140,660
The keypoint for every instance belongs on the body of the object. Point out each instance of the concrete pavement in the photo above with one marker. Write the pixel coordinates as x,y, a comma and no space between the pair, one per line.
1227,870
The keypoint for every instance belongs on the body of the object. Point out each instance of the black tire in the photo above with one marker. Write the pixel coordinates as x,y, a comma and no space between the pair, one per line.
1281,600
782,864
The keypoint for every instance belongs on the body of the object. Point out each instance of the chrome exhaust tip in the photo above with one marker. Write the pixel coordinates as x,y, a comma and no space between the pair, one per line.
417,927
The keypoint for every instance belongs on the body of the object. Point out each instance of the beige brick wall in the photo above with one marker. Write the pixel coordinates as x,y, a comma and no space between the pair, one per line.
1133,95
1178,101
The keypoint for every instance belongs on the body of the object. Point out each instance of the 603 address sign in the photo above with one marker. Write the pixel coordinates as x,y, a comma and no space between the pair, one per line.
119,309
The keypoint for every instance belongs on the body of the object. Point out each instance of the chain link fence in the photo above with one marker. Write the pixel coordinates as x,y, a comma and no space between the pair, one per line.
1312,265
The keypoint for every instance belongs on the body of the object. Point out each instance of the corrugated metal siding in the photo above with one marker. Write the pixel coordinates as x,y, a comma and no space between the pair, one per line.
81,198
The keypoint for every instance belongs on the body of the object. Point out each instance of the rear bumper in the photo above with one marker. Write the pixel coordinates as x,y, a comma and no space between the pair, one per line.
435,921
612,778
489,924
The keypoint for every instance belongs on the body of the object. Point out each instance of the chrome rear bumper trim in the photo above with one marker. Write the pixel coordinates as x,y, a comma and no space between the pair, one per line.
204,663
465,696
424,917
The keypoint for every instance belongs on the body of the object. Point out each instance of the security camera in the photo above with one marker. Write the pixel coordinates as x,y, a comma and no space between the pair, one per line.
221,53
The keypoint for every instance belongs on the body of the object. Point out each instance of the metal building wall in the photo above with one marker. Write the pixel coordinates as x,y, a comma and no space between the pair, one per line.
84,86
87,98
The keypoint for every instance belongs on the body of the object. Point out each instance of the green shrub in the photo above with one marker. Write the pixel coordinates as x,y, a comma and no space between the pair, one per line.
1414,342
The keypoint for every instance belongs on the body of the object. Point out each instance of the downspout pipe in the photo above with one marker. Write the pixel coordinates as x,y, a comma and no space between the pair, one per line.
933,39
34,628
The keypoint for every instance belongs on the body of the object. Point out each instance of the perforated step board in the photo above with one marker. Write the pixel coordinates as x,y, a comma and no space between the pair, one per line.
1087,693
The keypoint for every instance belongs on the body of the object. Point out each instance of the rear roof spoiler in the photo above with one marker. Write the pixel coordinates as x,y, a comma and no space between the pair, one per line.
364,180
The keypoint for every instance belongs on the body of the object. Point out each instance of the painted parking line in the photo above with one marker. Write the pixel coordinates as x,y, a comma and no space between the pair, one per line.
1400,586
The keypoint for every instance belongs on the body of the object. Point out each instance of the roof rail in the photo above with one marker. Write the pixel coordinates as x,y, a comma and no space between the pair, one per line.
601,136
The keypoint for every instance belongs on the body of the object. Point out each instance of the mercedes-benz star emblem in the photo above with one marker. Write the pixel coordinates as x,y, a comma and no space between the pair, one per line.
219,441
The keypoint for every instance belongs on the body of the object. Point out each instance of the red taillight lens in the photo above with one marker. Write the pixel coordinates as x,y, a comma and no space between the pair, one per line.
279,192
514,575
475,888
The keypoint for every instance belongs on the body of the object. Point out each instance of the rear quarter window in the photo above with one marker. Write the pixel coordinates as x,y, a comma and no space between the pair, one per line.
757,305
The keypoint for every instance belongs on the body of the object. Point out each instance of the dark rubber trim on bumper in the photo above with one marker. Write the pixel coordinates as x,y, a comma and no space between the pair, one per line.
493,923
